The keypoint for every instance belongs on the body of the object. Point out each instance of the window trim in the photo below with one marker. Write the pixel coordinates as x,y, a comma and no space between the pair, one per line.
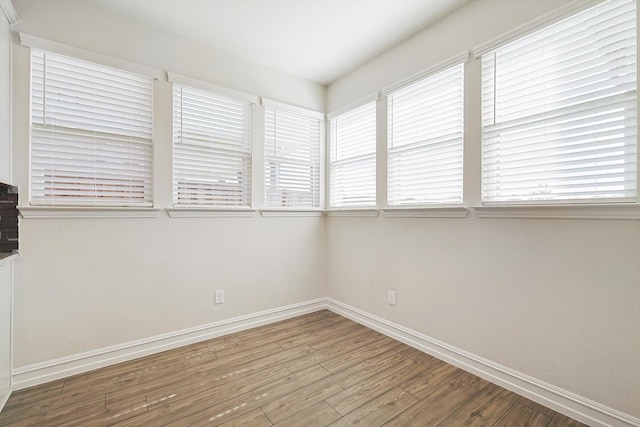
610,211
205,211
533,25
54,212
224,91
372,98
312,114
436,211
606,208
462,59
79,209
27,40
353,212
291,212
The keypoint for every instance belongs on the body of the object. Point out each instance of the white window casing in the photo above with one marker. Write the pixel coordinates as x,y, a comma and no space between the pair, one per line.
352,158
292,157
559,112
211,149
91,134
425,140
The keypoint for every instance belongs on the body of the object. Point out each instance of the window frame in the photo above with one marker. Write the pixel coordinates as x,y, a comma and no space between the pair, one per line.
567,207
355,209
433,72
222,93
85,128
301,114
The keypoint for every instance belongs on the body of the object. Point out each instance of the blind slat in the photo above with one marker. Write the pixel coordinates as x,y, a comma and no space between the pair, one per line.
425,140
292,159
559,111
352,154
91,129
211,149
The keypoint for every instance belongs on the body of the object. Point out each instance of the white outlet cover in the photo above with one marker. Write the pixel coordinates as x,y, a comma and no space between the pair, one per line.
219,297
391,297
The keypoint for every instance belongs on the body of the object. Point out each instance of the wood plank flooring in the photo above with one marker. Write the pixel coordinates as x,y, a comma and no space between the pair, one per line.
314,370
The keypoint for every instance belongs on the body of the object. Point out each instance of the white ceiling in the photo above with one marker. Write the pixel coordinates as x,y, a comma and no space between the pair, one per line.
318,40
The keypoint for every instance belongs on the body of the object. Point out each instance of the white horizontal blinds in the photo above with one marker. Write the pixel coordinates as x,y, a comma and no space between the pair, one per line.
352,165
425,140
211,149
559,111
292,159
91,133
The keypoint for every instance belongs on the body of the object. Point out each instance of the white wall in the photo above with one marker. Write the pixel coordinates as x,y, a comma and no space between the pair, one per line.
6,278
6,268
5,100
554,299
85,284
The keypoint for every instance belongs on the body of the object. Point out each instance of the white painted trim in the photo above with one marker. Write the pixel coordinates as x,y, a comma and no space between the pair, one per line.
211,87
622,211
547,19
353,105
275,212
9,259
293,108
51,370
427,212
49,212
366,212
211,212
28,40
5,399
563,401
12,16
461,58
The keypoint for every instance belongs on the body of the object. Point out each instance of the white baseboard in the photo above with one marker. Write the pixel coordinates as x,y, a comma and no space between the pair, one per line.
51,370
4,399
563,401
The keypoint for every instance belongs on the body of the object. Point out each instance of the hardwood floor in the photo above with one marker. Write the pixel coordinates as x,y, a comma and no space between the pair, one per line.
314,370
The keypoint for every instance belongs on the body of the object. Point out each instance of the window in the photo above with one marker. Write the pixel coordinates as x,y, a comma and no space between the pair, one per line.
352,153
292,158
211,149
425,140
91,134
559,111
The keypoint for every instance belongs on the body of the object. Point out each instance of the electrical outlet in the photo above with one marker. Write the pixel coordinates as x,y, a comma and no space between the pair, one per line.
391,297
219,297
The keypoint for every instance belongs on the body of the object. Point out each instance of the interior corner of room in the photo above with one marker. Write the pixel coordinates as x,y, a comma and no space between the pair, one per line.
546,305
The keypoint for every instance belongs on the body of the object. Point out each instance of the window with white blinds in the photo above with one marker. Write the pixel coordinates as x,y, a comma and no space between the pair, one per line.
425,140
211,149
292,159
91,133
352,158
559,111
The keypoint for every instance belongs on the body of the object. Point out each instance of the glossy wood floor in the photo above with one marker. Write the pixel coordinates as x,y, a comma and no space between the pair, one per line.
313,370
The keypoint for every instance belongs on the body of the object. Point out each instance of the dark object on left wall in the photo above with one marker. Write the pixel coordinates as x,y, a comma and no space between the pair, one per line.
8,218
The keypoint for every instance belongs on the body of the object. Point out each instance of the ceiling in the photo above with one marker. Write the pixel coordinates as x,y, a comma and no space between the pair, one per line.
318,40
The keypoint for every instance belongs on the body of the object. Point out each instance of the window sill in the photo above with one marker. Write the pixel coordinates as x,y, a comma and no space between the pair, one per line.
368,212
211,212
427,212
276,212
630,211
51,212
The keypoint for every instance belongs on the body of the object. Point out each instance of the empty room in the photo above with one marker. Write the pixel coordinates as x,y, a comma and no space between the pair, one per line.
319,212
